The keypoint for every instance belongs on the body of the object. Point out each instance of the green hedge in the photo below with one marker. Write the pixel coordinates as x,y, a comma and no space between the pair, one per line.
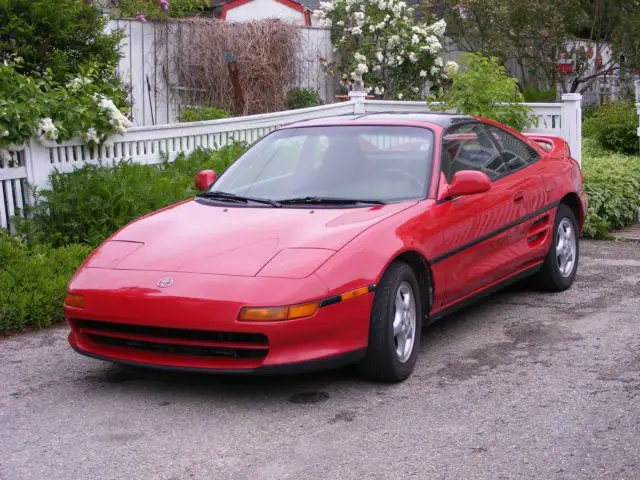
91,203
614,127
302,98
612,181
34,281
196,114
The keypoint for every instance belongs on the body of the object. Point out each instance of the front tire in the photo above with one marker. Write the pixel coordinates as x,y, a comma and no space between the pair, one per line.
395,326
561,265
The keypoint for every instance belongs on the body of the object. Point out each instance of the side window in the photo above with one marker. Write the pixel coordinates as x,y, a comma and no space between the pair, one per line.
515,153
469,147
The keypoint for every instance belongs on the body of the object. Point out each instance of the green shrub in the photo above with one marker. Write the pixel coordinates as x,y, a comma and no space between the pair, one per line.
89,204
196,114
612,182
302,98
482,88
59,37
34,282
614,126
535,95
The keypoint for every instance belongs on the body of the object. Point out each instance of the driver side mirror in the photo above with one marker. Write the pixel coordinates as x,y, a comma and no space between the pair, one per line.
204,179
466,182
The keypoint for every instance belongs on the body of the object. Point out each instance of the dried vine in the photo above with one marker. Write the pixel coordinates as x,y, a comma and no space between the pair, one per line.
264,51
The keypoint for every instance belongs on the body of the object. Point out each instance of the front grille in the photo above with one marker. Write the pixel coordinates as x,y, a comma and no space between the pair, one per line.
174,341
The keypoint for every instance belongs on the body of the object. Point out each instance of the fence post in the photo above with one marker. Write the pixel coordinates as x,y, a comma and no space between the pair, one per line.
572,123
38,168
637,84
358,98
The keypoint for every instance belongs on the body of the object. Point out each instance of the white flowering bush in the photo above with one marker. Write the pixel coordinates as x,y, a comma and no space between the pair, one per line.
37,106
380,42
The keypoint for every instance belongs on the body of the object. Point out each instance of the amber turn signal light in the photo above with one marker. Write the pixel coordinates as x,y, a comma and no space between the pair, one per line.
76,301
274,314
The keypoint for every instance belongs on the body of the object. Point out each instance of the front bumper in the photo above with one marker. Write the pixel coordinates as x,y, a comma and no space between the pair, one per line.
193,325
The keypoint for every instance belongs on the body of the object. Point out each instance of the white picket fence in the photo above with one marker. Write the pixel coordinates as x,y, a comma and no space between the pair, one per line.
30,168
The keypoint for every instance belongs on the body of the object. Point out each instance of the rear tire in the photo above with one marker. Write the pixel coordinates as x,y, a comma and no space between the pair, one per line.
561,265
395,326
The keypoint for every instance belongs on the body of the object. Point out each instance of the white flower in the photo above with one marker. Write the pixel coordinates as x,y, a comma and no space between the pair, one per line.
435,71
377,68
327,22
450,68
360,58
394,40
438,61
399,59
78,82
438,28
413,57
423,73
326,6
379,56
415,39
359,17
47,130
416,89
340,23
108,143
362,68
4,133
378,90
119,122
400,96
320,14
91,135
356,31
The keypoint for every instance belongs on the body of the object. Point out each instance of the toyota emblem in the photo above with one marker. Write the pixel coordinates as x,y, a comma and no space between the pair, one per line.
166,282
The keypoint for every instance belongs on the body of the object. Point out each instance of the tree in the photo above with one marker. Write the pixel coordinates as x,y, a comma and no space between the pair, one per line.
58,37
531,37
526,35
383,44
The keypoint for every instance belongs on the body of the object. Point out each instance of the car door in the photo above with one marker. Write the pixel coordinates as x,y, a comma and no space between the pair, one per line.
529,195
475,229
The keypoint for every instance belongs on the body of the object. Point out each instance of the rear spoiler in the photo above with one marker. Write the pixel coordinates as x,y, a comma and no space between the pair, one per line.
551,143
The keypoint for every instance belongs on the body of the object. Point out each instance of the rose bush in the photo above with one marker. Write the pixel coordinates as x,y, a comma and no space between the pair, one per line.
381,43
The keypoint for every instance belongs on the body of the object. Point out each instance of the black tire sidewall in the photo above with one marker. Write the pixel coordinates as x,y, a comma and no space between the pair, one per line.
395,276
552,267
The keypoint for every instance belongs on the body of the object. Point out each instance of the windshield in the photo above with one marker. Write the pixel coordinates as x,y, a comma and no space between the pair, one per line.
390,163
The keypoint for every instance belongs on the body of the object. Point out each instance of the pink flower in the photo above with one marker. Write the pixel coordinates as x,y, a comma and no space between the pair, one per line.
140,17
164,5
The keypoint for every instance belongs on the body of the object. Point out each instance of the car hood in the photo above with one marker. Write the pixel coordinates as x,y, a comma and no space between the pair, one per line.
204,238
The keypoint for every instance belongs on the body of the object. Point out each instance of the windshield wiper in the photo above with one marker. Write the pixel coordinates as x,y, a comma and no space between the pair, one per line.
329,201
238,198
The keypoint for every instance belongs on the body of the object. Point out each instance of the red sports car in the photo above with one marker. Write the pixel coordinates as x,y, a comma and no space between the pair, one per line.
333,241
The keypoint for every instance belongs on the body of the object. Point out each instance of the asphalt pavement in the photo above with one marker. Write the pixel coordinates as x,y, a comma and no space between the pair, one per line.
524,385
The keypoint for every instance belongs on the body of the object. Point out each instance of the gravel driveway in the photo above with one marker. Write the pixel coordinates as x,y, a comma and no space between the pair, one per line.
521,386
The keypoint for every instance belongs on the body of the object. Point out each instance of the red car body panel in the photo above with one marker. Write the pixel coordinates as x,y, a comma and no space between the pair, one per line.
223,258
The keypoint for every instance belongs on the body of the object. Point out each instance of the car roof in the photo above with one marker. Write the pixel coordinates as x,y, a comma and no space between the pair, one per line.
444,120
